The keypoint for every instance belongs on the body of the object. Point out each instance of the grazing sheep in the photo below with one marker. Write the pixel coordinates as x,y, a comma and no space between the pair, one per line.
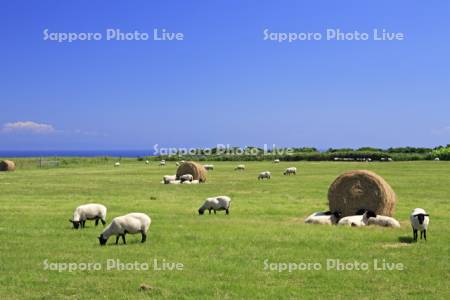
276,161
323,218
291,170
357,220
383,221
389,159
91,211
162,163
419,221
265,174
168,178
240,168
215,204
436,159
209,167
131,223
117,164
147,162
186,177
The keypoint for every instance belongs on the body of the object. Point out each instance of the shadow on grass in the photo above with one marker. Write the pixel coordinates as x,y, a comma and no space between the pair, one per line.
405,239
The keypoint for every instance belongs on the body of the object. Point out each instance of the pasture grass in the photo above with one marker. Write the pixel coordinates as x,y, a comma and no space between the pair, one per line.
223,256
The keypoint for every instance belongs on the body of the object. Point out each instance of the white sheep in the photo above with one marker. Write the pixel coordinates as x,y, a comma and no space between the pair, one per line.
436,159
419,221
191,182
276,161
291,170
131,223
383,221
147,162
168,178
357,220
91,211
186,177
323,218
117,164
264,175
162,163
209,167
215,204
240,168
175,182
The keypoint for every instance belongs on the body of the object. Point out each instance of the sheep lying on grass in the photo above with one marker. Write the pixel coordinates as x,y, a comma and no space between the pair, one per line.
357,220
215,204
191,182
291,170
240,168
323,218
419,221
264,175
91,211
383,221
186,177
117,164
131,223
276,161
169,178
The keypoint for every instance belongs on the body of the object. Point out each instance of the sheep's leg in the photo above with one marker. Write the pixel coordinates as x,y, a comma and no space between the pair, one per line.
210,211
123,238
425,235
103,222
144,236
415,234
227,211
421,233
96,222
117,239
84,223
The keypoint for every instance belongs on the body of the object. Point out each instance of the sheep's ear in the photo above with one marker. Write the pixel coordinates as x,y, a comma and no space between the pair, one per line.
426,215
70,221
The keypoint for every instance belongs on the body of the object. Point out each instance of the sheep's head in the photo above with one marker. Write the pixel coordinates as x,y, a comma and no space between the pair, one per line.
370,214
421,217
102,240
76,224
201,211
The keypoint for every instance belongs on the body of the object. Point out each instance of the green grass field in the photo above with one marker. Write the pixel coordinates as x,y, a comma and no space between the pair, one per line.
223,256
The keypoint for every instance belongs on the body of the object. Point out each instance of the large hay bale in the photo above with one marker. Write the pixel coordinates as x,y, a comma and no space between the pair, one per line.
195,169
7,165
361,189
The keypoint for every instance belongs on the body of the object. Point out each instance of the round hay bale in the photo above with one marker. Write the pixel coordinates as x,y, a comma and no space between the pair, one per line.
196,170
7,165
361,189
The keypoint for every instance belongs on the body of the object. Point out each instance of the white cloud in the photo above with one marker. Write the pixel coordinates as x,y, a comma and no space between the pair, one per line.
28,126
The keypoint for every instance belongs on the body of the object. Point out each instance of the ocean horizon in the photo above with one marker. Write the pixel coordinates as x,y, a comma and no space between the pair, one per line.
75,153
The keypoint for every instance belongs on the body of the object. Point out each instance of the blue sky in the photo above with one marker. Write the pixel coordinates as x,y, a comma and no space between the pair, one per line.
223,84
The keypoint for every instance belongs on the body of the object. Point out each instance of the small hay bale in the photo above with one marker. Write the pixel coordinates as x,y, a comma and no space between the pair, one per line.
7,165
361,189
195,169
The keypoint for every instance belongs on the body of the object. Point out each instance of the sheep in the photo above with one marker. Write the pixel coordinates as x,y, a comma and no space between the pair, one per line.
419,221
215,204
168,178
357,220
147,162
175,182
162,163
291,170
265,174
276,161
209,167
186,177
91,211
323,218
383,221
240,168
436,159
131,223
117,164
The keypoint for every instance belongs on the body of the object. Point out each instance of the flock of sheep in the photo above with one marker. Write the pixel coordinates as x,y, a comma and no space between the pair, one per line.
135,223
